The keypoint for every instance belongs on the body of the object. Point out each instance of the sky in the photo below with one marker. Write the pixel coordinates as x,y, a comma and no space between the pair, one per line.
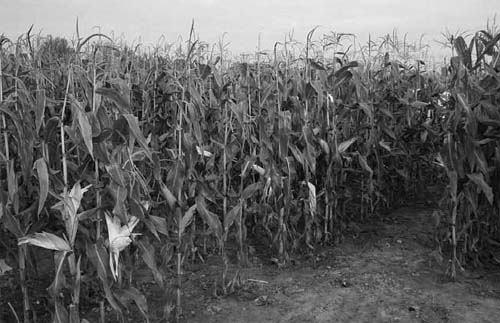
241,22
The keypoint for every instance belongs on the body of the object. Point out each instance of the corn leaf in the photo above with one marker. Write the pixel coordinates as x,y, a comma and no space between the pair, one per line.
133,294
98,255
167,194
46,240
85,131
312,198
210,218
148,255
114,95
160,224
234,213
137,133
478,179
12,224
43,181
346,144
364,164
4,267
186,219
60,314
59,280
251,189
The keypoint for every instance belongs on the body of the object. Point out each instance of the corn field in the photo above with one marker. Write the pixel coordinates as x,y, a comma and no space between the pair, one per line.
114,156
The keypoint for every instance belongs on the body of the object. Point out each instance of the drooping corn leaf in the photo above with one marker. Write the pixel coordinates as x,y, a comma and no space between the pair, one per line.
46,240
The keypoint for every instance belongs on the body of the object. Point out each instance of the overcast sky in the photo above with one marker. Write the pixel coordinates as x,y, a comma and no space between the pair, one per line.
244,20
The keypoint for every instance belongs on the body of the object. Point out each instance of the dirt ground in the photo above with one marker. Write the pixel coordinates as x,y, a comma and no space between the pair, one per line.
386,272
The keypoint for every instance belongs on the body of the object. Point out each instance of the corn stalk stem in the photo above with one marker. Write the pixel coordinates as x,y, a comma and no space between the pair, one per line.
224,201
22,277
178,311
4,123
63,144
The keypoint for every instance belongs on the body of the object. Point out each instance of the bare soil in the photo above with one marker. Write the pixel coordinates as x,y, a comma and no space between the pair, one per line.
383,272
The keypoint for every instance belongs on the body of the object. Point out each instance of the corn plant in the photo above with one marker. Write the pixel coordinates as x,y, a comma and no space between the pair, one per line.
114,156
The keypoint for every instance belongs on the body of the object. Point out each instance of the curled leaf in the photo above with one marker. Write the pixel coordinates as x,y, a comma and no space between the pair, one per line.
119,238
259,169
324,146
68,206
312,198
203,152
4,267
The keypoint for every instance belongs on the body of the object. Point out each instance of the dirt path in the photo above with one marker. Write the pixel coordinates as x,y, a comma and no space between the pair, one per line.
383,273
